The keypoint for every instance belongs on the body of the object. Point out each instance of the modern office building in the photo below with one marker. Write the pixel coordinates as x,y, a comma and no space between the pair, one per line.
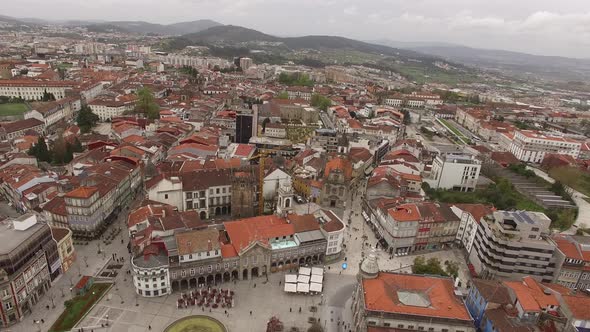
455,172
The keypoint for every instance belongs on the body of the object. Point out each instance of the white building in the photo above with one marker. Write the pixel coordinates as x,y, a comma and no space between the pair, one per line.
531,146
275,130
50,112
108,109
246,63
455,172
166,190
273,181
151,276
333,229
514,244
34,90
470,216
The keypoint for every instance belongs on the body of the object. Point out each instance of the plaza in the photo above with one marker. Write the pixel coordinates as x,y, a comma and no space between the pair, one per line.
256,299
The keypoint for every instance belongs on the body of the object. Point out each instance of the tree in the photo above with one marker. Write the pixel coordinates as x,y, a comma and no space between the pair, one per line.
61,154
452,268
320,101
47,96
61,71
407,117
40,150
146,103
282,95
432,266
86,119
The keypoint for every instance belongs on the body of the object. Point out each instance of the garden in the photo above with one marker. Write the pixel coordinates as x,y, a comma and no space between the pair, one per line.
78,306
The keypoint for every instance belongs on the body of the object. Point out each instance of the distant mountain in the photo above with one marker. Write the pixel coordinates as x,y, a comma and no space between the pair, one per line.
523,64
139,27
231,35
409,45
142,27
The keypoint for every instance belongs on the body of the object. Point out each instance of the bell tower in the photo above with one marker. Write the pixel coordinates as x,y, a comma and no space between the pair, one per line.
285,197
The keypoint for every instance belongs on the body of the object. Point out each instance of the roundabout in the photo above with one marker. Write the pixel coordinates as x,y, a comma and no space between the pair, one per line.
197,323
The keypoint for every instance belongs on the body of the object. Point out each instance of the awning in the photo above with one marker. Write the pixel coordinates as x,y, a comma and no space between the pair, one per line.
290,288
305,271
291,278
315,287
317,271
303,279
302,288
317,278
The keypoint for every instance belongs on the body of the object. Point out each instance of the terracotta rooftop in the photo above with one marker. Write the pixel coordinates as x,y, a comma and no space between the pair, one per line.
388,292
197,241
82,192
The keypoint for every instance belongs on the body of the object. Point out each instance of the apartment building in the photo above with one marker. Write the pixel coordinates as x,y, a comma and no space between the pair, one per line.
108,109
573,255
409,227
34,90
29,261
17,129
105,188
470,216
454,172
531,146
514,244
50,112
17,181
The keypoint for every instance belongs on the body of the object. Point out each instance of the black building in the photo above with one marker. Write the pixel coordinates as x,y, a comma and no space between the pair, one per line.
244,125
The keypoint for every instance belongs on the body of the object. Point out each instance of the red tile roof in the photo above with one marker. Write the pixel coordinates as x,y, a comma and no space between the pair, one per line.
381,294
82,192
244,232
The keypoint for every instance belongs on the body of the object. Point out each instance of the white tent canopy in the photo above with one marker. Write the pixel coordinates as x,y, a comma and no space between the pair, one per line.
290,288
317,271
305,271
317,279
315,287
291,278
303,279
303,288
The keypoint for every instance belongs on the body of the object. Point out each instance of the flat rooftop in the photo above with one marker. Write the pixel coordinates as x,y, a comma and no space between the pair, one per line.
11,238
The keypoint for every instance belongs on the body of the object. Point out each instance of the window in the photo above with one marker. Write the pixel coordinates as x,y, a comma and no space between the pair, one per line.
420,328
148,293
387,324
445,330
217,191
430,329
189,195
156,293
8,305
163,284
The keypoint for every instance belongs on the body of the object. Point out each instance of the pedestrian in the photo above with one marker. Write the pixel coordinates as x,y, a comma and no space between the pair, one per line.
42,321
225,312
280,282
254,285
149,327
299,309
250,312
290,309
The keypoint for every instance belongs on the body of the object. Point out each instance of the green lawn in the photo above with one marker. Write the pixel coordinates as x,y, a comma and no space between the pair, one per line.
572,177
12,109
78,307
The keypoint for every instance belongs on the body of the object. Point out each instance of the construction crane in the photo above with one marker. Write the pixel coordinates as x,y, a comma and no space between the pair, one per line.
261,159
261,156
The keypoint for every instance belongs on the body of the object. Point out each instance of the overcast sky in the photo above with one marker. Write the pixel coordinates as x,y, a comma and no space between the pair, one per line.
545,27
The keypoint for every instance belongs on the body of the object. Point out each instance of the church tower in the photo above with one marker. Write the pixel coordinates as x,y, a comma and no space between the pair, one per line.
244,198
285,197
